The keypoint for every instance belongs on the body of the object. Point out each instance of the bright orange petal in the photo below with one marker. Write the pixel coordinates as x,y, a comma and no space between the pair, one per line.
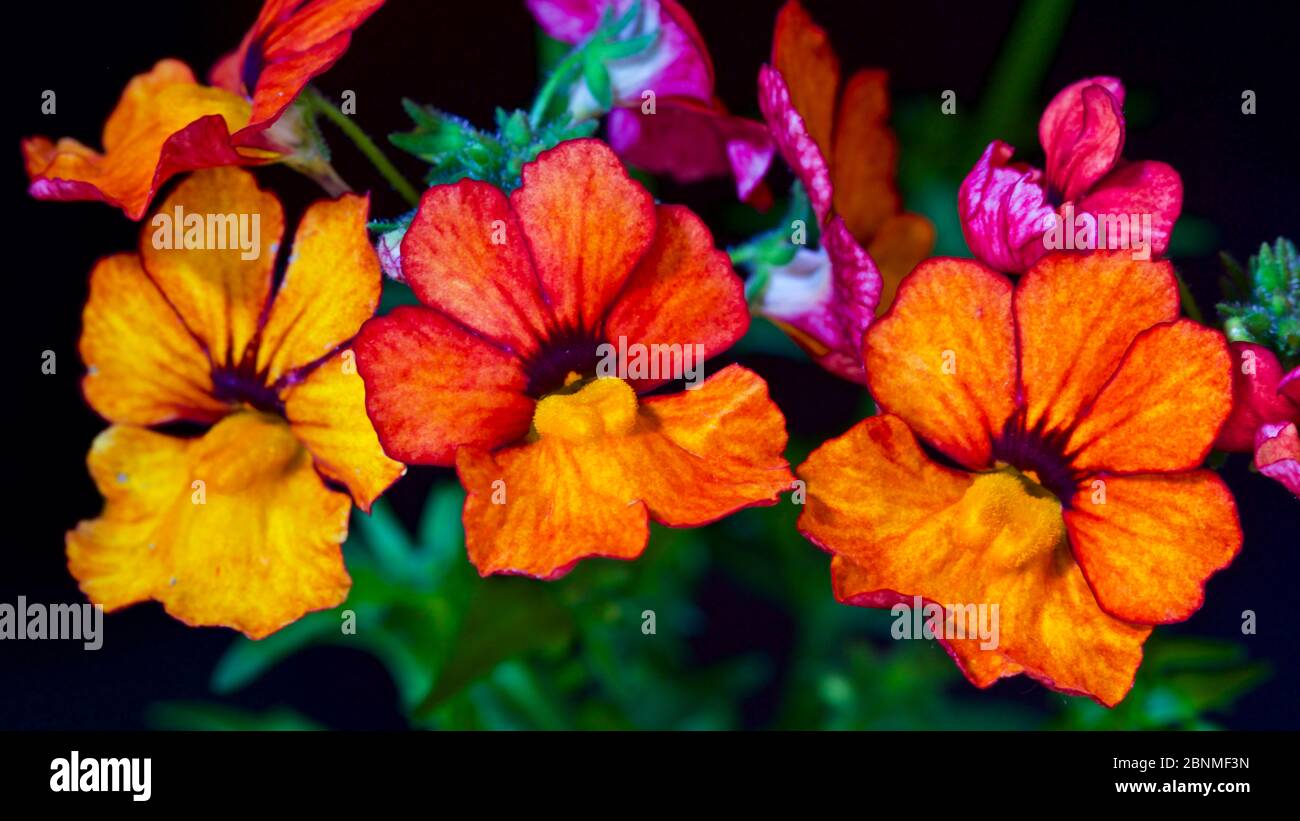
432,386
865,156
1076,315
684,291
991,539
330,287
1149,546
943,358
218,294
1163,407
898,247
587,223
164,124
465,254
584,486
327,412
233,529
142,366
802,52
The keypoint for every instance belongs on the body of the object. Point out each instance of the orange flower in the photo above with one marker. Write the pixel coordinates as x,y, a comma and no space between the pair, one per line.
236,526
167,123
850,168
526,365
1077,408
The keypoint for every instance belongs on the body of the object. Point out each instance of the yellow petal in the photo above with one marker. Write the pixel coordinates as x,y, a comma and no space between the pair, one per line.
234,528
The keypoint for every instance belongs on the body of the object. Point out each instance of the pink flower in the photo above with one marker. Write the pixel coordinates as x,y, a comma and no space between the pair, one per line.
1265,413
666,118
1087,197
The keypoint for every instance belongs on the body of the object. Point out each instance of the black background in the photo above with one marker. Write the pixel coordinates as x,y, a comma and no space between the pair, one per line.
1240,173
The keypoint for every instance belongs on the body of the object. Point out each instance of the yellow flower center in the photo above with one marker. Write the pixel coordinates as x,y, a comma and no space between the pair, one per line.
1008,516
585,410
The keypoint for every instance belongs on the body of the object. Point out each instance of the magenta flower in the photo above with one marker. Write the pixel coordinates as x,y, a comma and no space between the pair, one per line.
666,118
1265,412
1088,196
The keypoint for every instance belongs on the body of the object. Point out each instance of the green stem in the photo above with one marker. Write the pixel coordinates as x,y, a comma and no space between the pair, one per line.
363,142
553,83
1019,70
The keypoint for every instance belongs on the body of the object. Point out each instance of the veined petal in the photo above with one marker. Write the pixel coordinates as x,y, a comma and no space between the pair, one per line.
218,293
1148,548
164,124
587,224
684,292
944,357
584,491
1084,142
143,367
465,254
232,529
1140,190
898,247
327,412
330,287
433,385
864,159
1162,408
1076,316
1004,210
794,141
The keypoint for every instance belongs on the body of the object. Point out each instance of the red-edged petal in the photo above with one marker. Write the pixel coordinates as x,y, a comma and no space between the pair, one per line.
587,224
1004,210
432,385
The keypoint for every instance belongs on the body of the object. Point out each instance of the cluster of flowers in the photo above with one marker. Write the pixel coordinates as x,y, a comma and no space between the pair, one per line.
1039,445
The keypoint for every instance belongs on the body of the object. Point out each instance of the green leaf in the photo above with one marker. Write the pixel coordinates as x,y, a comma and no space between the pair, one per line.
247,660
596,76
201,715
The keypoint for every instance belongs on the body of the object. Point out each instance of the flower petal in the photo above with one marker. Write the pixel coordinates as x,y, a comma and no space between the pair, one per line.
794,141
465,254
432,386
864,159
330,287
1149,547
233,529
539,508
1076,315
902,526
1162,408
944,357
1083,134
587,224
143,366
1277,454
218,294
899,246
1139,189
164,124
1256,374
826,300
803,54
684,291
691,141
327,412
1004,210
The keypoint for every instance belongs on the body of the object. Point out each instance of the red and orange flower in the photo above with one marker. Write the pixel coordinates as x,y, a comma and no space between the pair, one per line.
238,526
1265,414
167,123
499,372
1070,414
